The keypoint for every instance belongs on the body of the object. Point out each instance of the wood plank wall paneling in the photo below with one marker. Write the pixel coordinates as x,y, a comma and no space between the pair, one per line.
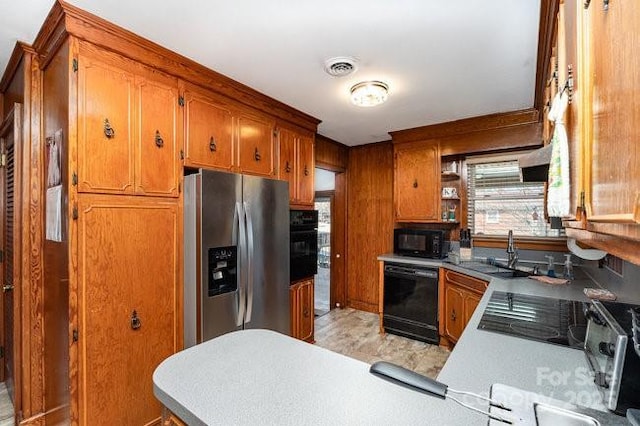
331,155
369,221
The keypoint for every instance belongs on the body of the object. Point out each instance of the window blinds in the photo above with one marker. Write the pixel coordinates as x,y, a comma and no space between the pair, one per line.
499,201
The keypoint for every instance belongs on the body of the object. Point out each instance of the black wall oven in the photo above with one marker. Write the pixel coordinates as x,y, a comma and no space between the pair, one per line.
411,302
303,244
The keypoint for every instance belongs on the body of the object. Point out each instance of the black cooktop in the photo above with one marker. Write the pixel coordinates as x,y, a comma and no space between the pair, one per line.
544,319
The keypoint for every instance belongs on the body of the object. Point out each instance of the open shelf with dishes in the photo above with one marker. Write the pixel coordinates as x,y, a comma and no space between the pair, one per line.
451,192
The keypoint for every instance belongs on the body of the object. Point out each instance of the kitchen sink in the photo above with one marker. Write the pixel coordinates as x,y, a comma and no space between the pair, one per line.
497,270
556,416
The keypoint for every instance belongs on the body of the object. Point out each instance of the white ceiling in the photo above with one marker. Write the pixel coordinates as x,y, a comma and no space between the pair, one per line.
443,60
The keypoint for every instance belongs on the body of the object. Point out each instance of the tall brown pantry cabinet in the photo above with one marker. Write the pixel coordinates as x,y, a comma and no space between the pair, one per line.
122,156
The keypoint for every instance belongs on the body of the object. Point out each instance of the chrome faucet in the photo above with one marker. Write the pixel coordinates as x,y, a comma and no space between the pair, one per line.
511,251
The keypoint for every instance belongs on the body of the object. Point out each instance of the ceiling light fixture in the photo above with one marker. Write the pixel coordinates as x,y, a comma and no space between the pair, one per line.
369,93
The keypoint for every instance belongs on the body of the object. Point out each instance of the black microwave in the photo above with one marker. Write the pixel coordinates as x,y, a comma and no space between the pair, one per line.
428,243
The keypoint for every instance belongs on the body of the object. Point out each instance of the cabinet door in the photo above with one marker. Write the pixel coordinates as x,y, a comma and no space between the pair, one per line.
128,312
417,183
454,312
287,165
306,169
305,297
159,137
255,146
105,127
293,308
208,133
471,302
569,25
613,126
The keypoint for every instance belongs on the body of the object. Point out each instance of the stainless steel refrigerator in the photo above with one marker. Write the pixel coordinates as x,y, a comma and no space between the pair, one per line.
236,254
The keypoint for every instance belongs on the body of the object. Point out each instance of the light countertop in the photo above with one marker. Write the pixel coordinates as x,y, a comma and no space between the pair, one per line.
262,377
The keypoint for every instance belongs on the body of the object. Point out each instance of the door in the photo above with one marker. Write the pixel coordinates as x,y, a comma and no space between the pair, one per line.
287,164
454,311
306,168
417,183
208,133
159,136
471,302
305,297
220,213
255,146
105,127
128,286
612,103
9,140
324,202
266,204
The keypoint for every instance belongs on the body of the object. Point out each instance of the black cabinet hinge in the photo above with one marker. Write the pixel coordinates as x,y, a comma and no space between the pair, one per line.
182,154
181,100
74,65
75,335
74,212
74,179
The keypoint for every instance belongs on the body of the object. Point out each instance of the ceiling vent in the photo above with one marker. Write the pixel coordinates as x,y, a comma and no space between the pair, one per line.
340,66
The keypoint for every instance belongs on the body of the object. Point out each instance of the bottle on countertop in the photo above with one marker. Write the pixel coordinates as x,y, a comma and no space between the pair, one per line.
568,268
551,271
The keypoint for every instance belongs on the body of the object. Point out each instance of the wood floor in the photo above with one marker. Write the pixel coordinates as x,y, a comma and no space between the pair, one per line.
355,334
6,408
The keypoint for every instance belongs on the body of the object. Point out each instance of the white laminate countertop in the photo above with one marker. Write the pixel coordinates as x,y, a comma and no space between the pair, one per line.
259,377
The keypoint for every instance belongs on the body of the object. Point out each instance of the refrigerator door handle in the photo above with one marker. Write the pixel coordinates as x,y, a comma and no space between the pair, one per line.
238,218
250,274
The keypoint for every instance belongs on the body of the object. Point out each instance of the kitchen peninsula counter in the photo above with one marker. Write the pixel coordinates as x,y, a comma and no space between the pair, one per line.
262,377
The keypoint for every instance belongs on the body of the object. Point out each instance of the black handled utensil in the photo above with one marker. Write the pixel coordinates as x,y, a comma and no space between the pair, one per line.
417,382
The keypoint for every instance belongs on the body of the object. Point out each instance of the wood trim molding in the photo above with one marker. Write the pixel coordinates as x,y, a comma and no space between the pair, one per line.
467,125
522,243
546,34
14,61
65,19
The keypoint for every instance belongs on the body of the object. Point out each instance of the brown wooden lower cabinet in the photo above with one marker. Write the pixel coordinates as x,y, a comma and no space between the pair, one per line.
128,305
301,302
461,295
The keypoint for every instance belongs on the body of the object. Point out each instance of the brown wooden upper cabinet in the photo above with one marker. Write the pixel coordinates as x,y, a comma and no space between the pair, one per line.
417,182
221,135
256,145
129,127
612,101
297,165
602,123
208,132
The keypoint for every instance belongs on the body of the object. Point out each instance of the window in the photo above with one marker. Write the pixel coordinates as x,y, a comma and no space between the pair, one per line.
499,201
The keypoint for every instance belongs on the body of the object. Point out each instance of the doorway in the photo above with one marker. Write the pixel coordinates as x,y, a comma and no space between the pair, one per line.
322,302
10,133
